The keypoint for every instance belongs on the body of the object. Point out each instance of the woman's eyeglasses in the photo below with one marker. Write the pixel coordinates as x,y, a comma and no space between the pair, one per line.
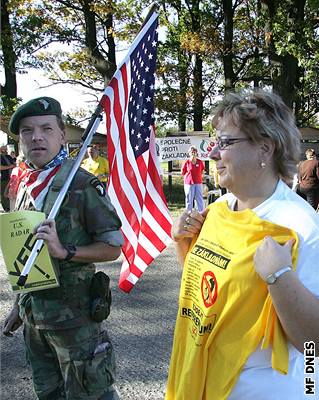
224,142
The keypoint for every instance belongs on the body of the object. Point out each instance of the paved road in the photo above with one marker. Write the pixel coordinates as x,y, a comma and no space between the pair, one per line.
141,326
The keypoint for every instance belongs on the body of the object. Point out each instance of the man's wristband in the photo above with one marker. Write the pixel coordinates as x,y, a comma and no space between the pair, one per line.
71,249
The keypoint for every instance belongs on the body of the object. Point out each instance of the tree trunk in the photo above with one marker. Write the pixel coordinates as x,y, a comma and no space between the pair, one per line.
228,44
287,73
9,90
183,85
182,71
106,67
198,93
110,42
198,72
286,82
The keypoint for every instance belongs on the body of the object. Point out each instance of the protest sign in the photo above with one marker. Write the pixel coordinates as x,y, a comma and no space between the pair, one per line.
16,241
176,148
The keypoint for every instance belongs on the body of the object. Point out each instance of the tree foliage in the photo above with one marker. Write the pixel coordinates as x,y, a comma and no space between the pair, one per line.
208,47
73,41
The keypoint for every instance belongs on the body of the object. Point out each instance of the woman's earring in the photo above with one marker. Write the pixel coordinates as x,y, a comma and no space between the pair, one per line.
263,165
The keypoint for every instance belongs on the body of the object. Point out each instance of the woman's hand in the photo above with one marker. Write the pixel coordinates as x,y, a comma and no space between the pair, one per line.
296,307
184,229
270,256
47,231
188,225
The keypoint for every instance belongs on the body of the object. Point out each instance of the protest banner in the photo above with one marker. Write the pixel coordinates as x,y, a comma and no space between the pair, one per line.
16,241
176,148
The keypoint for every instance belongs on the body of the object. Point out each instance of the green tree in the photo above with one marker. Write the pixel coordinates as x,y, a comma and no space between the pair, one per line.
173,67
187,75
293,52
9,89
88,27
209,47
270,43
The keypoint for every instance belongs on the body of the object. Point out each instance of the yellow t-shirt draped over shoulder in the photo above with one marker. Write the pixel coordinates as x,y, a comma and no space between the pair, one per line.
225,310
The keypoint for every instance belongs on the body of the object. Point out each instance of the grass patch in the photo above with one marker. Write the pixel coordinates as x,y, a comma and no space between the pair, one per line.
175,195
175,210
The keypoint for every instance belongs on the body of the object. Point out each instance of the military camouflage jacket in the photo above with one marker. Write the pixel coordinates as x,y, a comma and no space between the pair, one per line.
86,216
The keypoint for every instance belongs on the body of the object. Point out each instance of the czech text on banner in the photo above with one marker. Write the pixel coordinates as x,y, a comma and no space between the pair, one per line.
17,240
135,186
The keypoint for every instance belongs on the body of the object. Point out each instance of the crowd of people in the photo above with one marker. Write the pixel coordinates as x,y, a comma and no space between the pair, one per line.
249,295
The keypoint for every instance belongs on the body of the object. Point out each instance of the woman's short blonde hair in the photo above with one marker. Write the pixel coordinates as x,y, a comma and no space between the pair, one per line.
259,114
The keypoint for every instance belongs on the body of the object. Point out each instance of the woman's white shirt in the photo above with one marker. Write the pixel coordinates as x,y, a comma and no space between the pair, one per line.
258,380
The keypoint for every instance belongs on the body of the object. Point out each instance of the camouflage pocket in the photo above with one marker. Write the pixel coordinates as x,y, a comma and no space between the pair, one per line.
25,311
100,297
99,370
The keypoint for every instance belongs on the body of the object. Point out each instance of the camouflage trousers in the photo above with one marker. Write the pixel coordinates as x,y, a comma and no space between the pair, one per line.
72,364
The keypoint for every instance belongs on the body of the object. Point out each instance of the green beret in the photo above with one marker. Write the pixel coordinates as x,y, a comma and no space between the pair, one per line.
34,107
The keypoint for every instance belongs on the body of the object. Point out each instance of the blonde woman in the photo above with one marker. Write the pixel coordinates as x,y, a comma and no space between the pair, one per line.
249,297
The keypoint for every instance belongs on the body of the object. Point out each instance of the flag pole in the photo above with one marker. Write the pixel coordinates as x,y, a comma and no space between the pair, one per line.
154,8
151,16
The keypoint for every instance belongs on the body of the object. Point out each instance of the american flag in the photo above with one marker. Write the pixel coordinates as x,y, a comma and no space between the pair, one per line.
36,183
135,186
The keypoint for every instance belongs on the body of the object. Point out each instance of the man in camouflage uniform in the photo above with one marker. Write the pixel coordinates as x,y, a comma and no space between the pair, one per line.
70,355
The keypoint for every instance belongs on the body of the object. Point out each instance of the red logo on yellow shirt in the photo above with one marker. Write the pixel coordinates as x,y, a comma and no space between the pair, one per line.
209,288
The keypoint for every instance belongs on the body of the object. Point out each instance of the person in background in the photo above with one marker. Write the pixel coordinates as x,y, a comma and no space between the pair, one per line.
213,188
215,174
308,178
16,177
96,165
6,166
249,297
13,155
70,354
192,170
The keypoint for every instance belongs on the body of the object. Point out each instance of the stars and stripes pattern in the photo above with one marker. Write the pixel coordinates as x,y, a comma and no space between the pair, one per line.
135,186
36,182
